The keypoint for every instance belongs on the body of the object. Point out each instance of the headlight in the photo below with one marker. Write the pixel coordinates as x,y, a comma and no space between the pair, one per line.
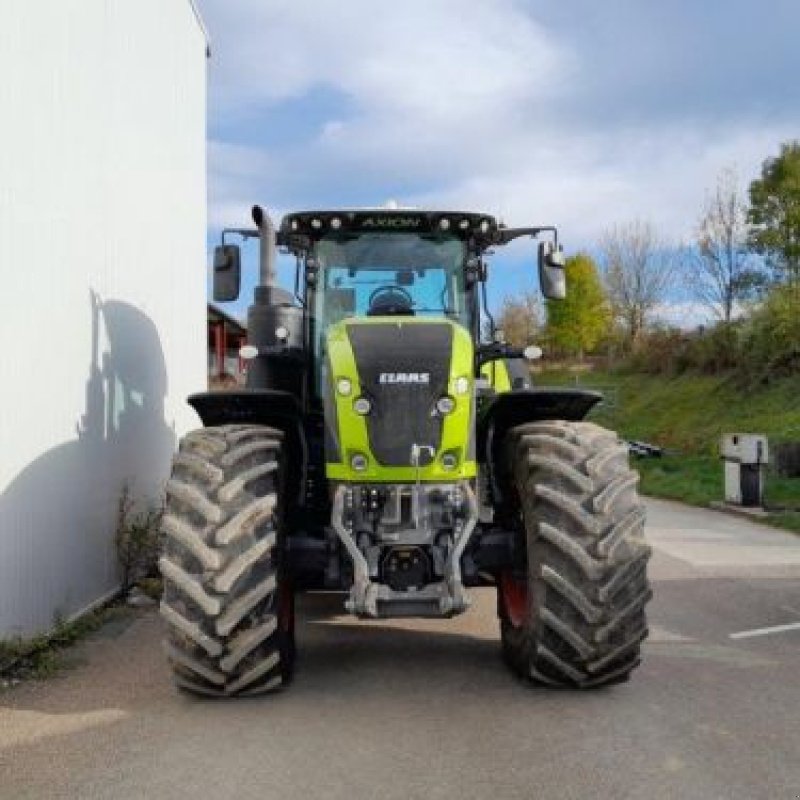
362,406
462,385
445,405
449,461
344,386
359,462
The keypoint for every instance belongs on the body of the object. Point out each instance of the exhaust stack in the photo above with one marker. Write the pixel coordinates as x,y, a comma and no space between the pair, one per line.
267,252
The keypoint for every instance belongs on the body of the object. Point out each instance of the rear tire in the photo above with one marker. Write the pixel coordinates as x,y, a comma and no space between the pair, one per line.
573,611
227,602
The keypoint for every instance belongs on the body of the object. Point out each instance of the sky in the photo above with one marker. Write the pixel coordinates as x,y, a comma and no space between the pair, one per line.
582,114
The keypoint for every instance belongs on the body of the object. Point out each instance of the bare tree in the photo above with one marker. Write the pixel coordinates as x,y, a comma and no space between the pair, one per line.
723,265
519,319
638,267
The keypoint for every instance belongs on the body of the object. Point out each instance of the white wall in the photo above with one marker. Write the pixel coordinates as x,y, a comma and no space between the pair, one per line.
102,280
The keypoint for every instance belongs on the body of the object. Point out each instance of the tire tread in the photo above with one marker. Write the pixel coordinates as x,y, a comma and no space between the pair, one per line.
583,523
221,563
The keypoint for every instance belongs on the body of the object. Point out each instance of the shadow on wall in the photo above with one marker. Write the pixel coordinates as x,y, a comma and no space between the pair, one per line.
57,517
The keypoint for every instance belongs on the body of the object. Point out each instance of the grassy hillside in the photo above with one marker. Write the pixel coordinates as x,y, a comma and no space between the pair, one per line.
687,415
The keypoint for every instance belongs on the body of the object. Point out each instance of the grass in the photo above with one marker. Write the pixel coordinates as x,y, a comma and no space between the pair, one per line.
692,479
42,656
788,520
687,415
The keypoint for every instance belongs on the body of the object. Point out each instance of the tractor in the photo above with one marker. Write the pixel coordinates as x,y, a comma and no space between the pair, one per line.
389,445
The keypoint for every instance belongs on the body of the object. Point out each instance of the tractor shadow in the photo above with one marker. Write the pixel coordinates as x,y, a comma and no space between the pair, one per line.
57,515
422,657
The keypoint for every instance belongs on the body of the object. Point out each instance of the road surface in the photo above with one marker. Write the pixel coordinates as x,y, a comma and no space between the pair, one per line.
426,709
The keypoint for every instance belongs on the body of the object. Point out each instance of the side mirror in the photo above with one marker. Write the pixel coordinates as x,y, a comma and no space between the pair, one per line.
227,272
552,277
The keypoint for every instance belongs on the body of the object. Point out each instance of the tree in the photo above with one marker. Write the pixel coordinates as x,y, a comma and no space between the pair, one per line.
775,214
519,319
638,266
577,323
723,264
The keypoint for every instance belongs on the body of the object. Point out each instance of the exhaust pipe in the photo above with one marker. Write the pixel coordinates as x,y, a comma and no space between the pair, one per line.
267,249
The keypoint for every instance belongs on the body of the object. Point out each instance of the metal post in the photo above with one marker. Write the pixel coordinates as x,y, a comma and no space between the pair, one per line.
219,347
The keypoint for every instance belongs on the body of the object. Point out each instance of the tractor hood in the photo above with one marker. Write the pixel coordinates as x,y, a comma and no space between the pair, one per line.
399,400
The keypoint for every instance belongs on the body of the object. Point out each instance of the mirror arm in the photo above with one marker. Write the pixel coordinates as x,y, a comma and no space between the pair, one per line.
245,233
489,352
506,235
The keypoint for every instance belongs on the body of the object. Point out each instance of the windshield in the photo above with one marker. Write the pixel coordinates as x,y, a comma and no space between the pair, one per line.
376,274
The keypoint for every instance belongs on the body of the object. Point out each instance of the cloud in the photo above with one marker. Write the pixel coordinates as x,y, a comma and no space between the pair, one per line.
585,183
418,57
577,114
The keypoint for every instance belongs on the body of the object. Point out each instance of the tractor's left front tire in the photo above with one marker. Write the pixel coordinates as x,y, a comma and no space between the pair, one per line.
227,601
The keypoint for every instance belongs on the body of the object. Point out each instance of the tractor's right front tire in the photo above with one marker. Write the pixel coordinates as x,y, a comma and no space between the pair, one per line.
572,611
227,602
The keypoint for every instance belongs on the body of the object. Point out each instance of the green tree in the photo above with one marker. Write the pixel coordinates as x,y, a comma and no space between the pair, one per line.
775,214
577,323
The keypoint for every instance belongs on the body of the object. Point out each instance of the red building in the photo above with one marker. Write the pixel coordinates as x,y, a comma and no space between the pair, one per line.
225,336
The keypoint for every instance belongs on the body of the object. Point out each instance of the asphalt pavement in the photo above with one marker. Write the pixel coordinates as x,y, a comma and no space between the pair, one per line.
425,709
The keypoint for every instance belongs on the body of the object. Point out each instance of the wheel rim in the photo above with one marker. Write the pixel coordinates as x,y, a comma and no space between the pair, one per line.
514,596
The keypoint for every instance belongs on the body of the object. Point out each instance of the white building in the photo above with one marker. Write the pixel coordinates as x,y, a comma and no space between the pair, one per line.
102,269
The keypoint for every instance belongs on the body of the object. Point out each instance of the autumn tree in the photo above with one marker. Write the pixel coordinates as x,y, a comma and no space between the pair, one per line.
638,266
775,214
519,319
577,323
723,267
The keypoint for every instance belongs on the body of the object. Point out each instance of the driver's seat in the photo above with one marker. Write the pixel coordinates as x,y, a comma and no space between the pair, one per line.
390,303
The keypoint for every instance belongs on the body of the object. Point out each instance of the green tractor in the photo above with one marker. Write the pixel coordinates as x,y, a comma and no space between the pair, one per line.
382,449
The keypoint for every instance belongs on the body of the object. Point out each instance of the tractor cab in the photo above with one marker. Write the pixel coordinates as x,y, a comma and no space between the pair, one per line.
400,263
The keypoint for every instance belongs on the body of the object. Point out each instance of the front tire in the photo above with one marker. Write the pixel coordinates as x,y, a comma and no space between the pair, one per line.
227,603
573,610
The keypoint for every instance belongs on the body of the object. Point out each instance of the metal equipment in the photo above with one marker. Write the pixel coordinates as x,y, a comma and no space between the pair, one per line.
746,456
384,449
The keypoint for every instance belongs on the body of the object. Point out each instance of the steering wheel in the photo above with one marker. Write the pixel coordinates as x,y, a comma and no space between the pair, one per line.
390,301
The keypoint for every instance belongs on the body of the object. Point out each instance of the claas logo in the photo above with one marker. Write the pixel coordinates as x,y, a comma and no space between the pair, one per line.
405,377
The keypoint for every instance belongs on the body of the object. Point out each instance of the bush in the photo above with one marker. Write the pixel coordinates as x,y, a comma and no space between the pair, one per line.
661,351
713,350
138,540
763,347
771,342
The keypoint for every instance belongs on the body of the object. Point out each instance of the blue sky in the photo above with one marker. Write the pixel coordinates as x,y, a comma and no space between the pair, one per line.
582,114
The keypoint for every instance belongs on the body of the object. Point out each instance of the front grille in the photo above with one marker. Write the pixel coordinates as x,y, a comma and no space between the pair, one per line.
403,369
